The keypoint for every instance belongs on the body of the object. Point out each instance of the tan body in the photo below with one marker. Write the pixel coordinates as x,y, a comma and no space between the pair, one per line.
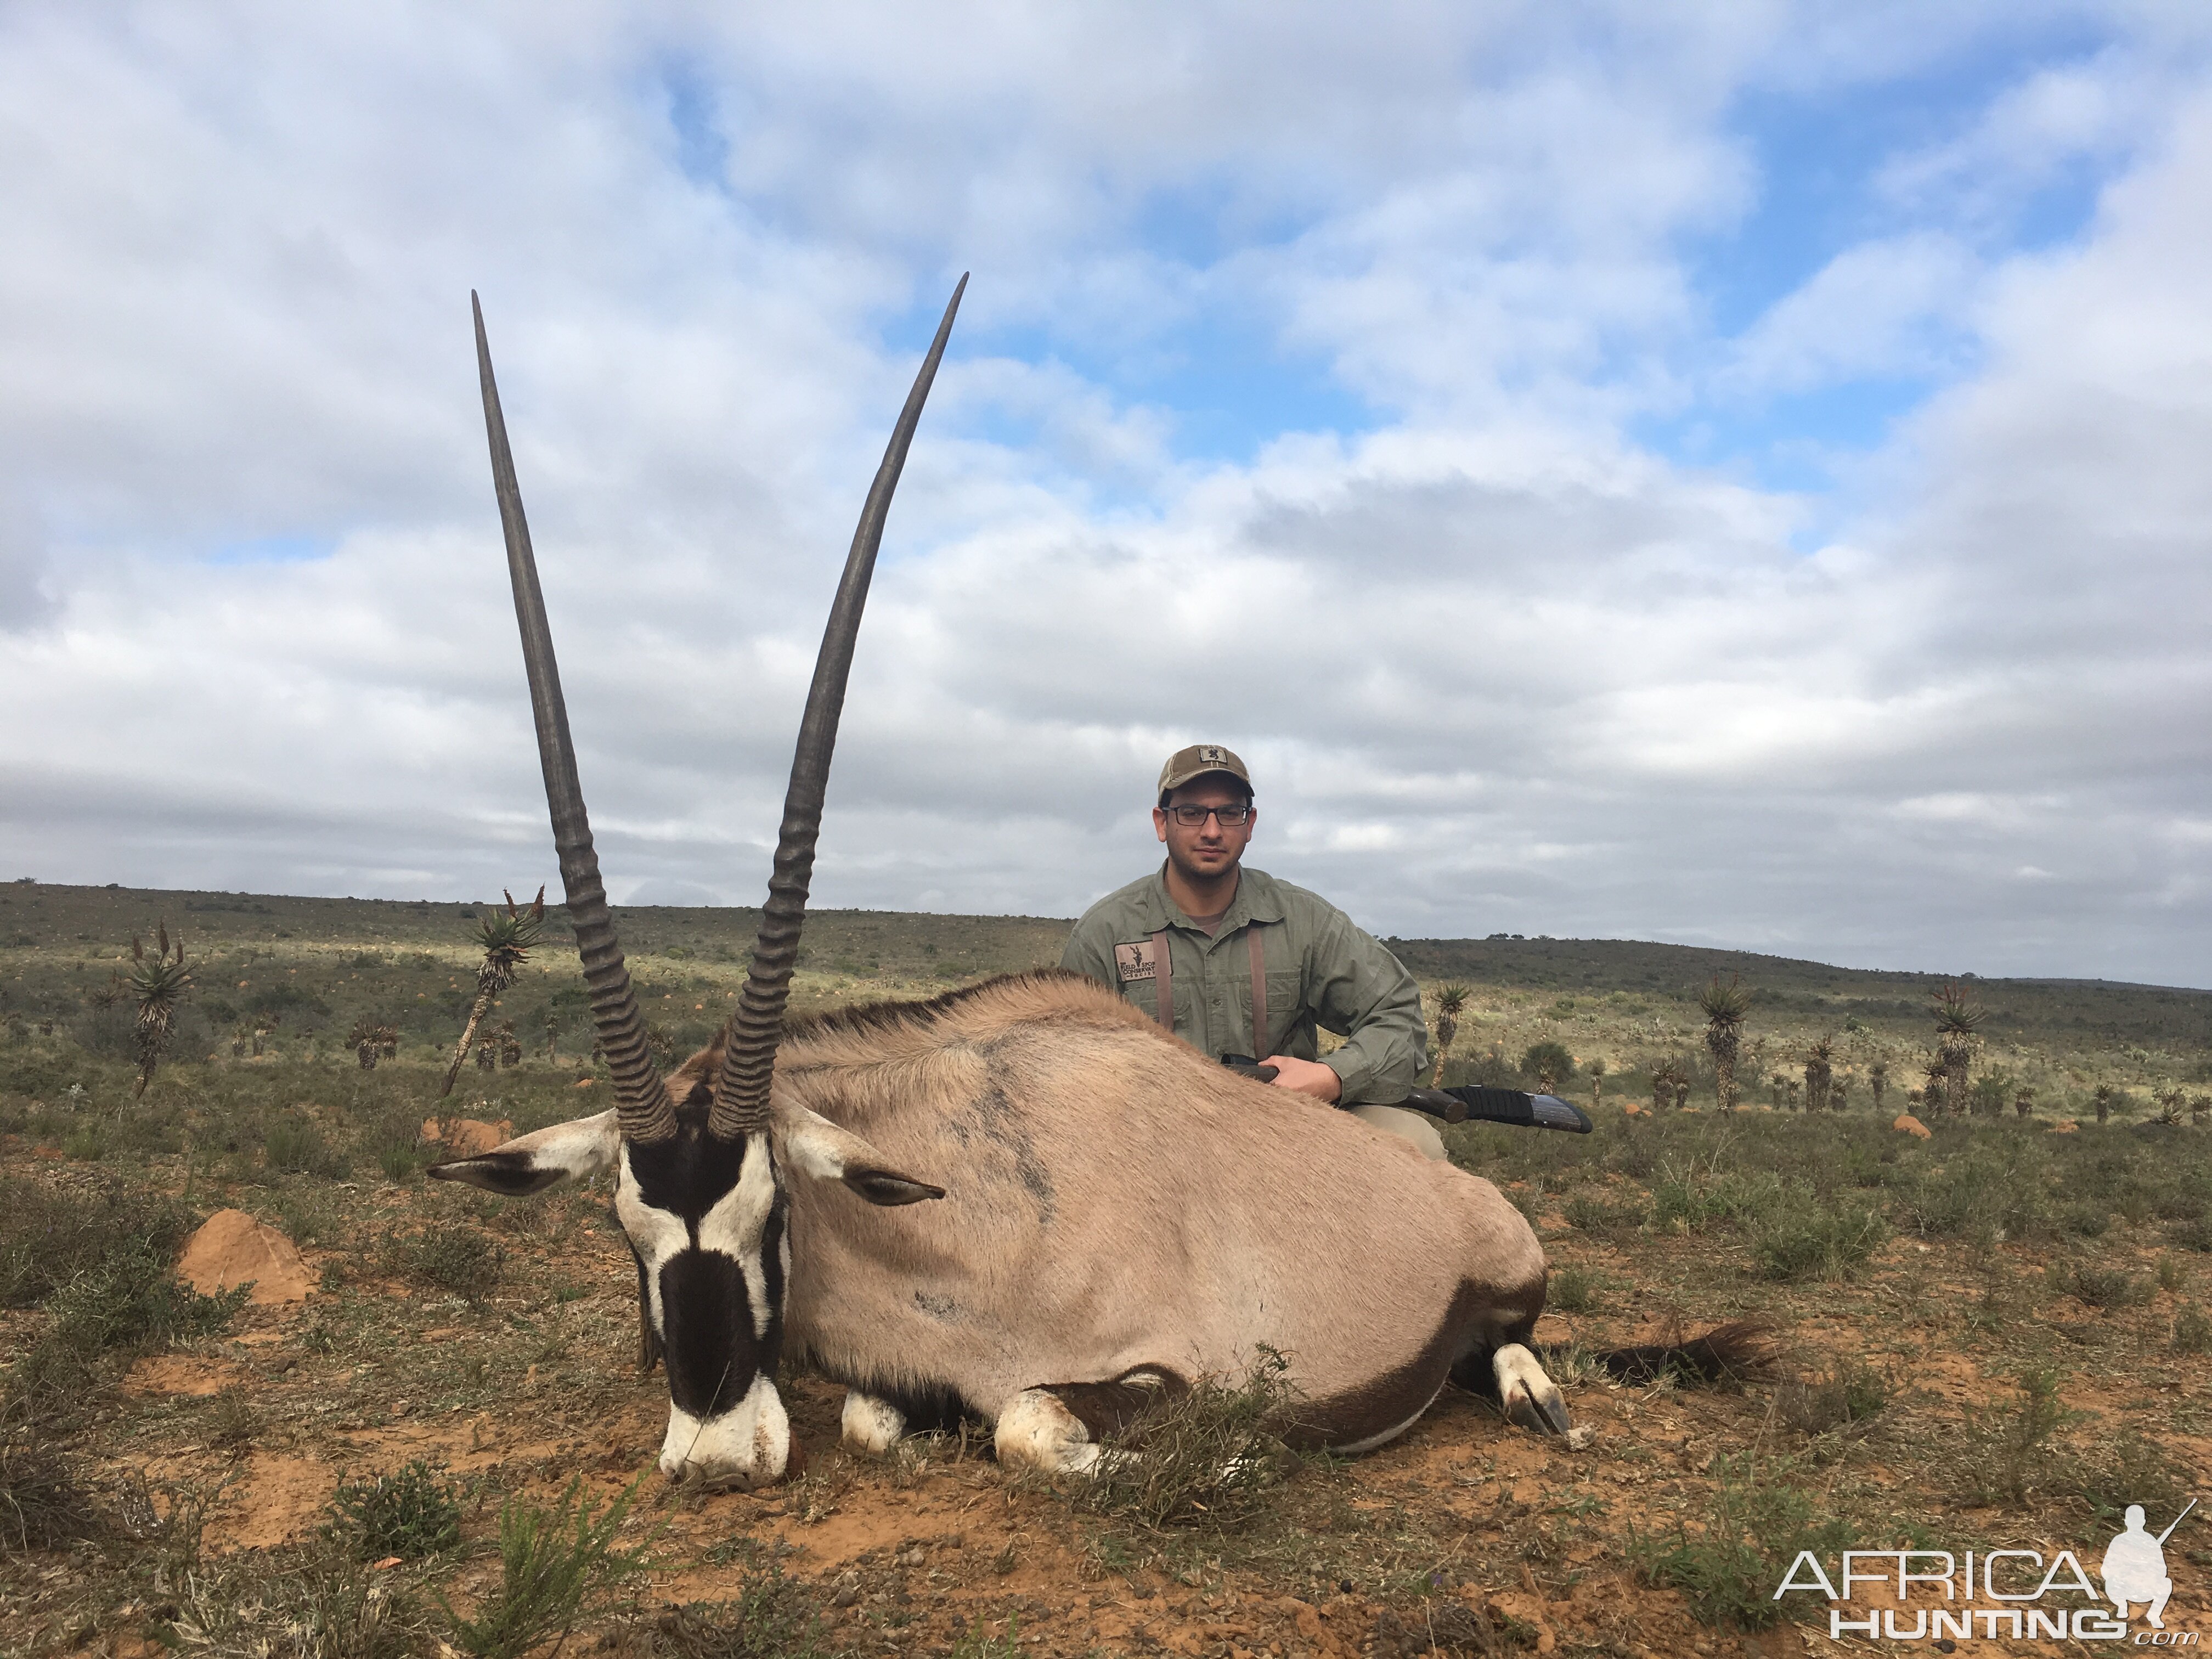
1114,1202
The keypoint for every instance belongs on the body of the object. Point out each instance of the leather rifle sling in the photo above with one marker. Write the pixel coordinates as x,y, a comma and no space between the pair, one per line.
1258,990
1162,984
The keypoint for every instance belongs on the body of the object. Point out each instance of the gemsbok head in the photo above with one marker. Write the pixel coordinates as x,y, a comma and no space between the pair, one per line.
702,1160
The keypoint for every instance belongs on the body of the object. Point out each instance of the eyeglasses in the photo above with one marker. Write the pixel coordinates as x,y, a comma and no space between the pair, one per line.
1231,817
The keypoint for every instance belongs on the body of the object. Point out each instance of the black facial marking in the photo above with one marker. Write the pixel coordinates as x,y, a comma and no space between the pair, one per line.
708,1337
708,1327
649,1339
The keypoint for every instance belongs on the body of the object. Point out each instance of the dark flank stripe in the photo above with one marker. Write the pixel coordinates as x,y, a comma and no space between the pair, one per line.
1108,1408
1480,1320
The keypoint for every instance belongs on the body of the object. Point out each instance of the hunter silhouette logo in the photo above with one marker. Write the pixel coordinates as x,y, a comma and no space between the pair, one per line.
1993,1594
2135,1566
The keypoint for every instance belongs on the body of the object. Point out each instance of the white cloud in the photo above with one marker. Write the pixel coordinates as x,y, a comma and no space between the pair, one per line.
1498,668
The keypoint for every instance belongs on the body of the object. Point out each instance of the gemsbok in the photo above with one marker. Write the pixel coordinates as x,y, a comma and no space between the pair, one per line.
1022,1201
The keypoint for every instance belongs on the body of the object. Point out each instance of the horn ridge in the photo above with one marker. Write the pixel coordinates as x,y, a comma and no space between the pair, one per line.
642,1103
741,1086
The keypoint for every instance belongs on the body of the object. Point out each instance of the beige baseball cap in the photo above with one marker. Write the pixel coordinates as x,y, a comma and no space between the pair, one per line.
1196,761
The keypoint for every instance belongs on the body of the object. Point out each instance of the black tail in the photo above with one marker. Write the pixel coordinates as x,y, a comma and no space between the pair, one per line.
1742,1350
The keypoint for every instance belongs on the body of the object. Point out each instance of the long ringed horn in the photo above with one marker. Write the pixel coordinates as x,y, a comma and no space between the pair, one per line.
642,1103
741,1087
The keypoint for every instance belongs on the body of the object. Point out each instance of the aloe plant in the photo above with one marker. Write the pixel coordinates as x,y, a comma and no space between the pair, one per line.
1820,1072
1724,1007
1957,1022
371,1041
159,985
508,938
1451,1002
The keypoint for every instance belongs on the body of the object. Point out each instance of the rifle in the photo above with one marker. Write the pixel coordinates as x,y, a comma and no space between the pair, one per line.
1459,1104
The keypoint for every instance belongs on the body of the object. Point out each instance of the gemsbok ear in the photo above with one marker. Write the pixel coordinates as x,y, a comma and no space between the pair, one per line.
546,1158
817,1148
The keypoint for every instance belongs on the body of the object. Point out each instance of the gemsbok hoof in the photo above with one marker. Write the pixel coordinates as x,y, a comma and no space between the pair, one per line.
1529,1399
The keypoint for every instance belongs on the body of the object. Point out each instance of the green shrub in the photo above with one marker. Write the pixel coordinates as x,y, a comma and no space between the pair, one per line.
2195,1235
295,1147
1593,1216
550,1560
2009,1454
1851,1394
1810,1240
1544,1059
2192,1332
394,1142
1701,1195
1755,1524
307,1604
42,1503
2106,1288
1206,1456
1997,1188
448,1256
1574,1291
2128,1468
412,1513
126,1304
773,1617
2085,1220
48,1238
134,1301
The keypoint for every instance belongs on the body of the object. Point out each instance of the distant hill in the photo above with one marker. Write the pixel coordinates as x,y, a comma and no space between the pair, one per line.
1620,999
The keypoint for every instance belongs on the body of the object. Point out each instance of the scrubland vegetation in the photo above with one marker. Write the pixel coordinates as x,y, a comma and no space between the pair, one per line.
1994,1334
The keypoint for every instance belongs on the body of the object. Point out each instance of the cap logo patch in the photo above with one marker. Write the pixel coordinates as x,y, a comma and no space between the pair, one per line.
1209,755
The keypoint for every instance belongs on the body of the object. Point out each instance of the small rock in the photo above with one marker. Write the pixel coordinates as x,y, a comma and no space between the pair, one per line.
1581,1438
913,1558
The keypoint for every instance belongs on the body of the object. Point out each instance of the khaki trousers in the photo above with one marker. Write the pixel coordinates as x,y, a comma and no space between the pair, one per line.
1418,1127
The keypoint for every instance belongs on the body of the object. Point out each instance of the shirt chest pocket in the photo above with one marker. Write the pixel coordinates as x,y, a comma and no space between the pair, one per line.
1285,1009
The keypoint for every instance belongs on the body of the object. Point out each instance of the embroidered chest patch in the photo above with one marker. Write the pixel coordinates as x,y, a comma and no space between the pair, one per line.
1134,961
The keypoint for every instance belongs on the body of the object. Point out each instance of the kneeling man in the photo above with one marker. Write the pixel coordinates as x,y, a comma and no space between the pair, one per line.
1235,961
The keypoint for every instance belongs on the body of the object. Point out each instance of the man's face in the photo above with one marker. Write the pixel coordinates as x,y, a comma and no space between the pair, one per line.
1207,850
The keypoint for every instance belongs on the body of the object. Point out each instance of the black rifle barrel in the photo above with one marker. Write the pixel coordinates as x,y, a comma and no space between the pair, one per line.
1457,1105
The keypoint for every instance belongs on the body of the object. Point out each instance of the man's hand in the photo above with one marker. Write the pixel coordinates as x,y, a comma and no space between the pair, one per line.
1307,1077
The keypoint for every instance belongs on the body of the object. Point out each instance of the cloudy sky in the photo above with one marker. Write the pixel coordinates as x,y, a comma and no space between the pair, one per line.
1729,473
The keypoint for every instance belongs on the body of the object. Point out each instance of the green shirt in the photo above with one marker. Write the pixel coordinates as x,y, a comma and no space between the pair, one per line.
1321,971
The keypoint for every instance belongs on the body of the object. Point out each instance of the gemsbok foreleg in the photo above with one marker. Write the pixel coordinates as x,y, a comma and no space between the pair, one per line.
870,1424
1528,1397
